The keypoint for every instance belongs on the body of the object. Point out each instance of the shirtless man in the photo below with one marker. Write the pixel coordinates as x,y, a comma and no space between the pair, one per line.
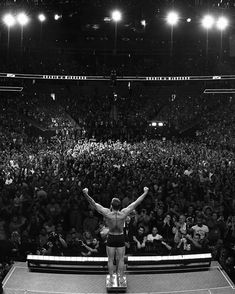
115,219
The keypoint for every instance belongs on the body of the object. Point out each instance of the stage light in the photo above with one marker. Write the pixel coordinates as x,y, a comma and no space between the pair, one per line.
160,124
22,19
208,21
57,16
116,15
222,23
153,124
143,22
9,20
41,17
189,19
172,18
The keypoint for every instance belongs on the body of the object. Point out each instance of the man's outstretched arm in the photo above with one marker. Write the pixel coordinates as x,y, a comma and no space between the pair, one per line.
93,204
133,205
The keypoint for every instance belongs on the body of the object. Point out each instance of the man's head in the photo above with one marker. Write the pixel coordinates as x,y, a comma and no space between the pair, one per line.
214,216
115,204
141,230
181,219
94,241
199,221
154,231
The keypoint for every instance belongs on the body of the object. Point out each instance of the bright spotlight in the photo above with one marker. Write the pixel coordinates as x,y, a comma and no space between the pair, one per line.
116,15
22,19
57,16
222,23
172,18
41,17
143,22
9,20
208,21
189,19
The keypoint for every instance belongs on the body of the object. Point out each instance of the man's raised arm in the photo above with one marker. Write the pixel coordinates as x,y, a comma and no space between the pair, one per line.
133,205
93,204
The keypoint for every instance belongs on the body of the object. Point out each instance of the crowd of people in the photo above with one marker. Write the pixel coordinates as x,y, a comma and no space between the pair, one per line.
190,206
102,139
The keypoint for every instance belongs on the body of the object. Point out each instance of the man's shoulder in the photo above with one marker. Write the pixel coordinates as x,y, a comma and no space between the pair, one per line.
107,211
113,214
205,227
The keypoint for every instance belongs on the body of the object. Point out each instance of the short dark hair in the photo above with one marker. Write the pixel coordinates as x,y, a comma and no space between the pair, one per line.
141,227
116,203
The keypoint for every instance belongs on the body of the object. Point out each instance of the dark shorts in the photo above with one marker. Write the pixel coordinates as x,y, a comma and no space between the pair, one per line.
115,240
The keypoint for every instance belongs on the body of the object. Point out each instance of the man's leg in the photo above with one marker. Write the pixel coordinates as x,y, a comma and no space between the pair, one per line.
110,253
120,260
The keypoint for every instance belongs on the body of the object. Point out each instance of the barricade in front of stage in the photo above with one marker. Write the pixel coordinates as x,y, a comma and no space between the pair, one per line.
136,264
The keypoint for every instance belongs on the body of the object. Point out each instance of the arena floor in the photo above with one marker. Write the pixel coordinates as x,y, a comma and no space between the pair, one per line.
204,281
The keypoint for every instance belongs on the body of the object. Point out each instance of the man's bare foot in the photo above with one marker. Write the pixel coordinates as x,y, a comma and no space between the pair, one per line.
111,281
122,281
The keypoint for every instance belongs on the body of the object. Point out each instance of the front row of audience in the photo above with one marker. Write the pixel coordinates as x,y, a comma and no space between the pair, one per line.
179,237
168,238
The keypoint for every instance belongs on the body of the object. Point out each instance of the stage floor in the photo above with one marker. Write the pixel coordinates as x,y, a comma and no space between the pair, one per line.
20,280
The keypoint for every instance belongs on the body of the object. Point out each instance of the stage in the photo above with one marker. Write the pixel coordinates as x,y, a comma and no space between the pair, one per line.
20,280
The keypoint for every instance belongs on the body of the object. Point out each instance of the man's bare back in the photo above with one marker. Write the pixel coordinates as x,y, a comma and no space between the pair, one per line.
115,218
115,221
